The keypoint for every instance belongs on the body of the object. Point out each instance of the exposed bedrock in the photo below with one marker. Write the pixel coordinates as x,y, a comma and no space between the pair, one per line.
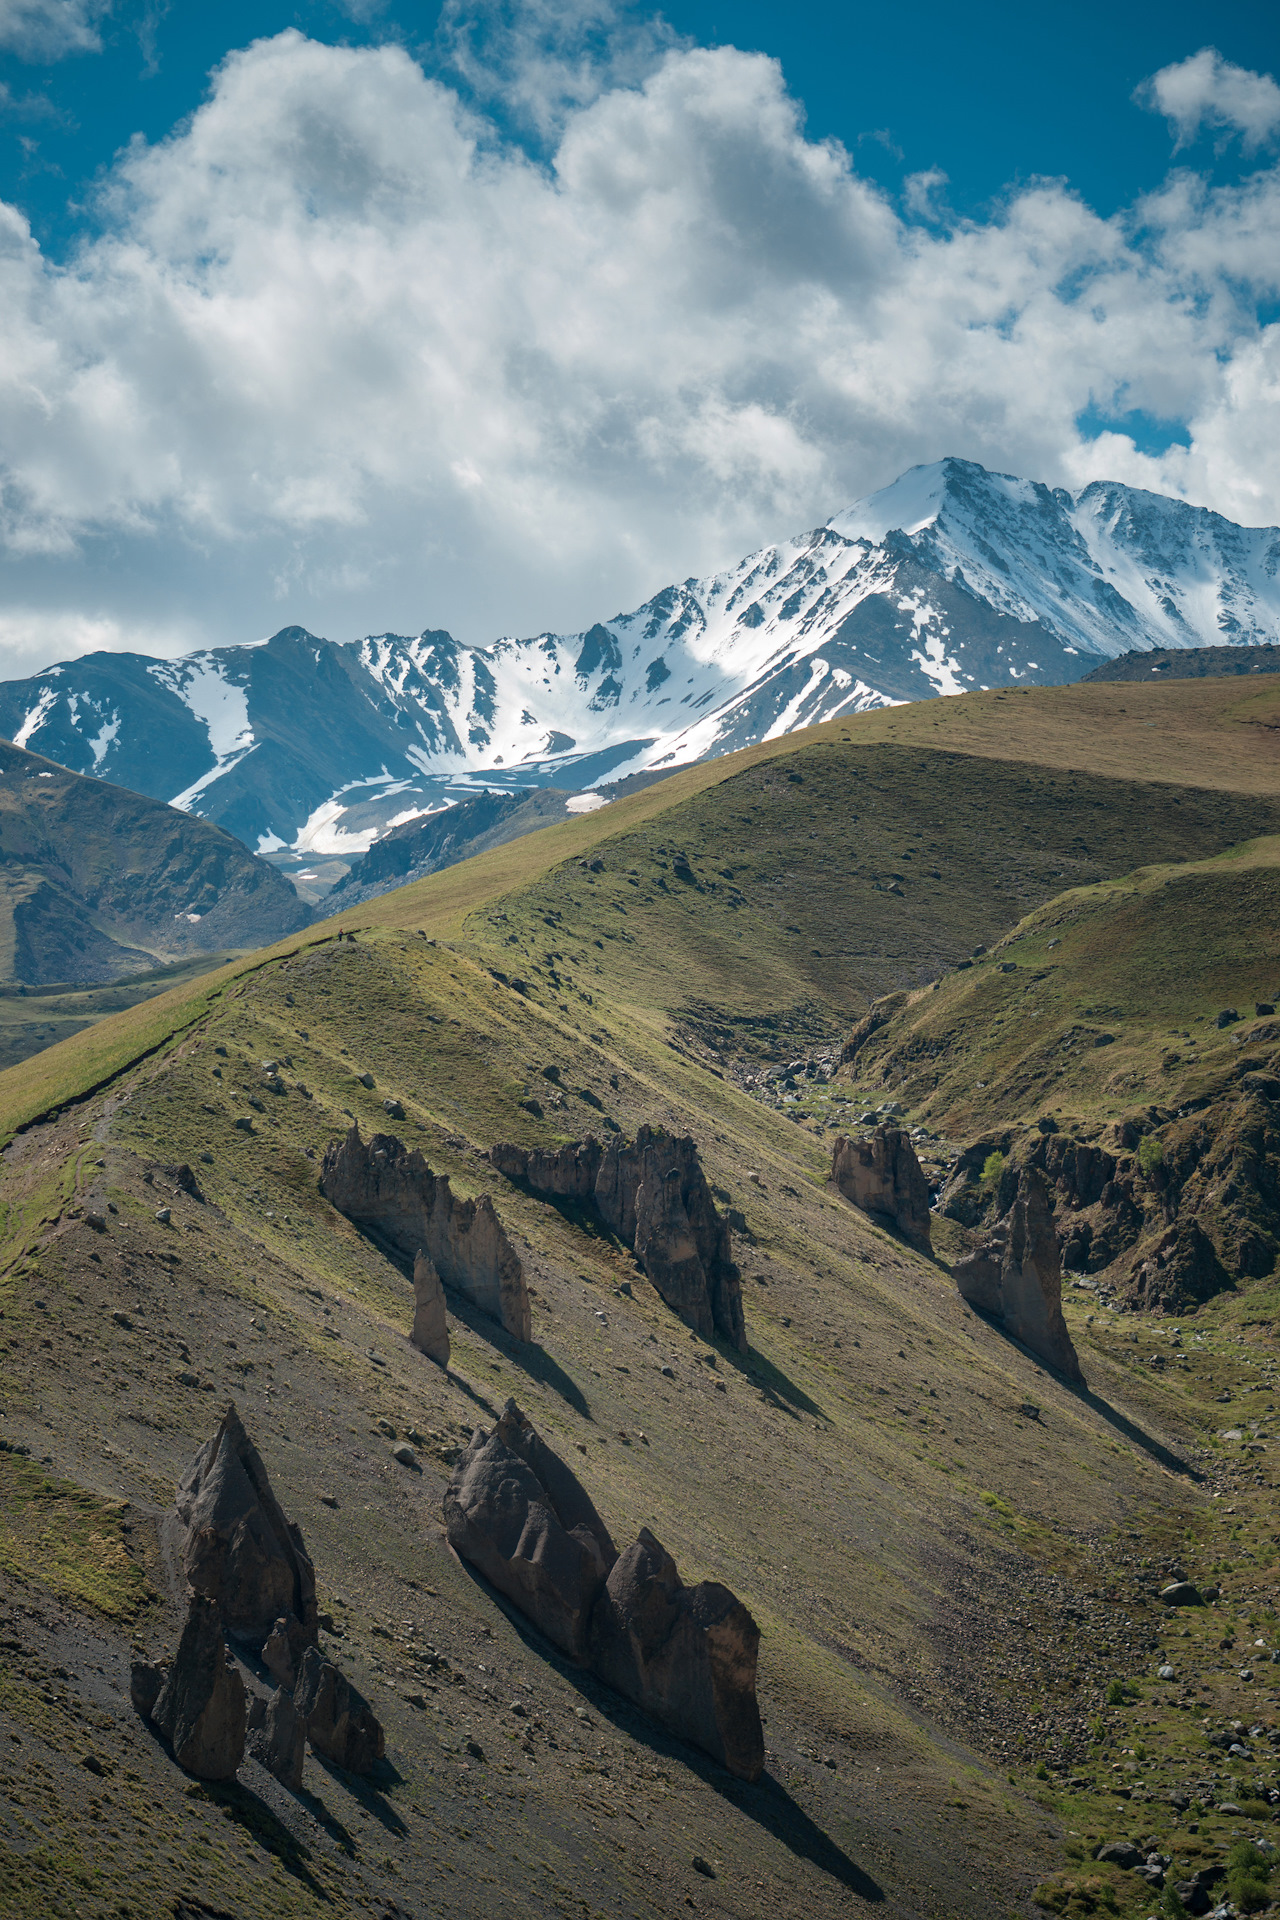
882,1177
523,1519
652,1193
278,1737
393,1195
238,1549
430,1333
340,1723
201,1706
1016,1276
685,1655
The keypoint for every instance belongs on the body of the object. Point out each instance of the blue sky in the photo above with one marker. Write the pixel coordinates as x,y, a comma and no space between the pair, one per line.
500,317
992,96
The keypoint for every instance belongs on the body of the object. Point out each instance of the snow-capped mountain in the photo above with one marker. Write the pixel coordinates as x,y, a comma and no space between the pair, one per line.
950,579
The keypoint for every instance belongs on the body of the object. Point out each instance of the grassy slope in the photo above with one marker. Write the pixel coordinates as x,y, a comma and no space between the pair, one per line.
866,1481
1149,959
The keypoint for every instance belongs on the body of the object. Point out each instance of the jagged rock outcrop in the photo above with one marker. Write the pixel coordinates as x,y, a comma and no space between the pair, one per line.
1172,1207
685,1655
881,1176
340,1723
278,1655
393,1195
430,1333
278,1737
146,1683
652,1193
517,1513
238,1548
1016,1276
878,1015
201,1707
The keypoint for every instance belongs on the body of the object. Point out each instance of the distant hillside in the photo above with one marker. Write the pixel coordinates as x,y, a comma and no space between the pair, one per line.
97,884
1188,663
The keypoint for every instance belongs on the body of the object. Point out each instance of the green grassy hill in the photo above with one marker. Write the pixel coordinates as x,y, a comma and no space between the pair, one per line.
952,1557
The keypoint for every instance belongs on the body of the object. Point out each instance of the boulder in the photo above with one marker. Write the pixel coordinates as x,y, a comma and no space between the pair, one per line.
517,1513
1181,1593
1016,1276
393,1196
279,1739
238,1548
1121,1853
685,1655
430,1333
653,1194
881,1176
201,1707
340,1723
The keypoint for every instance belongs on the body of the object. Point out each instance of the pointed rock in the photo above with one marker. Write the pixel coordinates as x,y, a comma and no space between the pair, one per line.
279,1739
340,1722
430,1325
881,1176
201,1707
517,1513
685,1655
1016,1276
393,1195
238,1548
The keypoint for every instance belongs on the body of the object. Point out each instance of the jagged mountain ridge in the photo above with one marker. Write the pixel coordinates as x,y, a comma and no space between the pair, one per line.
952,578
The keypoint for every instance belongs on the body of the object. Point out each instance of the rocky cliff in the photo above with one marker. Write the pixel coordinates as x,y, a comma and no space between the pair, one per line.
393,1195
882,1176
1016,1277
652,1193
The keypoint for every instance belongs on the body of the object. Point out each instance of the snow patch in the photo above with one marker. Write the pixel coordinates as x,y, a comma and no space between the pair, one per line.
35,718
585,803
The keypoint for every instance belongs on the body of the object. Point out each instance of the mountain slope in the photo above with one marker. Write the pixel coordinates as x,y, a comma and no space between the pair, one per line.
97,883
952,1557
952,579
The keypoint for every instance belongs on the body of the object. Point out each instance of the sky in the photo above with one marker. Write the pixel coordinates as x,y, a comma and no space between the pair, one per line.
500,317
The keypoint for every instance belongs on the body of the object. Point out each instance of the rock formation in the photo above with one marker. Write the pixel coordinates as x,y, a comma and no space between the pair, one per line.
393,1195
517,1513
238,1548
278,1656
1016,1276
430,1326
652,1193
146,1683
278,1737
685,1655
881,1175
340,1723
201,1706
877,1015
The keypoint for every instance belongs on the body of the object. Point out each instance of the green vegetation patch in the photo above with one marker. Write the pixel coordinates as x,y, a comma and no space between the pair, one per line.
59,1536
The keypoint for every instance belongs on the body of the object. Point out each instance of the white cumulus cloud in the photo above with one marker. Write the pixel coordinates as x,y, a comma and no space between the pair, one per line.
1208,91
50,29
337,354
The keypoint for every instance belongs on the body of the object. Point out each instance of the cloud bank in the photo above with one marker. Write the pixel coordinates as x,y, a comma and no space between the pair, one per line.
50,29
336,353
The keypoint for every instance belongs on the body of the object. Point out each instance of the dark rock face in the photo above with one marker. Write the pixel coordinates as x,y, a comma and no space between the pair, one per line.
146,1682
517,1513
651,1192
239,1549
881,1176
393,1194
1016,1276
201,1707
685,1655
340,1722
279,1740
